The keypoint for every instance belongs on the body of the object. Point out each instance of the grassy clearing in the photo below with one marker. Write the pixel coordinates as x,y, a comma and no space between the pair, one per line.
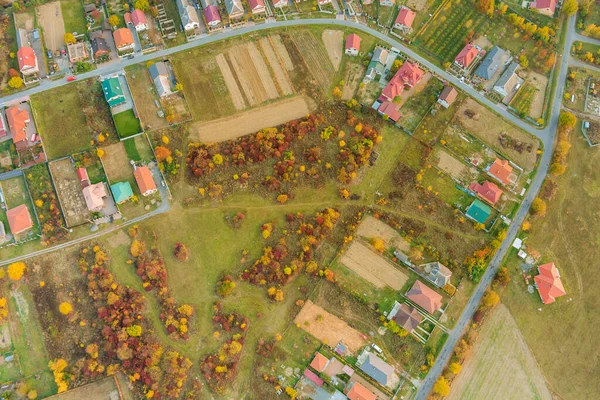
568,236
73,16
433,126
417,106
443,186
61,107
522,101
127,123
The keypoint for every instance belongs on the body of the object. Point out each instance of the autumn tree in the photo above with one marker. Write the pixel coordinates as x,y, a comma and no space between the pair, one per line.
65,308
114,21
181,252
162,153
538,207
566,120
69,38
503,276
490,299
16,270
3,310
143,5
455,368
570,7
378,244
15,82
442,387
484,5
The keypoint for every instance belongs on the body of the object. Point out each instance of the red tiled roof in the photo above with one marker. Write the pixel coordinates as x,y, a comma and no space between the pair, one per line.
353,41
425,297
211,13
392,110
544,4
138,17
488,191
501,170
82,174
548,283
466,55
256,4
449,94
127,18
17,123
319,362
410,73
393,89
144,180
26,57
123,37
19,219
359,392
405,17
313,377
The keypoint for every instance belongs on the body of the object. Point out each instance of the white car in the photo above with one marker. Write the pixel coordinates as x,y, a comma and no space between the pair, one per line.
376,348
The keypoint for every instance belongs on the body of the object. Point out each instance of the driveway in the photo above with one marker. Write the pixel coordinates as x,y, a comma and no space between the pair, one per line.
40,55
137,44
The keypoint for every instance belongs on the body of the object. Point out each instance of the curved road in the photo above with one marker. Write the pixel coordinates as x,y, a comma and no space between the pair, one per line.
546,135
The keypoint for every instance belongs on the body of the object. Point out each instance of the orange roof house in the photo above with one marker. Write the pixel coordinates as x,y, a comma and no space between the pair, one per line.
466,56
123,38
548,283
352,44
448,96
19,219
17,122
27,60
405,19
546,7
319,363
356,391
487,191
144,180
425,297
409,74
127,18
501,170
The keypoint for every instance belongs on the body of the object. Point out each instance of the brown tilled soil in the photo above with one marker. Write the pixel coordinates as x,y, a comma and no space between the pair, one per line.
371,227
247,75
334,43
353,77
263,71
50,18
537,104
283,80
315,57
234,91
116,163
281,51
69,192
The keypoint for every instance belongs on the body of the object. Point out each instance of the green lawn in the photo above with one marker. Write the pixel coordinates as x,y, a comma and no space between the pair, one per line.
444,187
73,16
418,105
127,124
131,149
61,122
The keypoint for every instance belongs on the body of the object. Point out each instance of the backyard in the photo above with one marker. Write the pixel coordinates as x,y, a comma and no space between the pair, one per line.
73,16
127,123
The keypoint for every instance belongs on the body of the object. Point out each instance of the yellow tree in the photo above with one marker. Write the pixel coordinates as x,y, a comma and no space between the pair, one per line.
69,38
442,387
16,270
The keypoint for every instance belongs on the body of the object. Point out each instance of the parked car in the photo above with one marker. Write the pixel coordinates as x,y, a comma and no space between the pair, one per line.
376,348
71,78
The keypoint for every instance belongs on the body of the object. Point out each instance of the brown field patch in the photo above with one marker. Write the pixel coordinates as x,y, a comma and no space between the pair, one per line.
501,365
283,80
315,57
328,328
50,19
144,95
334,43
104,389
353,77
234,91
281,51
69,192
487,126
537,104
417,5
251,121
247,75
454,167
24,21
373,267
371,227
116,163
263,71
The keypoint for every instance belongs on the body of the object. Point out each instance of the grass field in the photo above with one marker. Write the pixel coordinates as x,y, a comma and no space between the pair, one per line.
74,16
127,124
501,365
522,101
568,236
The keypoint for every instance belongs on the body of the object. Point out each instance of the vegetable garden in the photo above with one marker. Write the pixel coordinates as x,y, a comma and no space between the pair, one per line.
523,99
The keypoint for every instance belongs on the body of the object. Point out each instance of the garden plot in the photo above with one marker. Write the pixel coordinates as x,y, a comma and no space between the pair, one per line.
328,328
69,192
255,80
417,5
523,99
50,18
334,43
282,52
116,163
354,74
540,82
454,167
283,80
499,134
371,227
144,95
463,144
315,57
373,267
234,91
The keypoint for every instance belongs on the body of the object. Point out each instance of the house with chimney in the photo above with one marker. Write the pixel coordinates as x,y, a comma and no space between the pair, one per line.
352,45
212,16
123,40
408,75
467,56
404,19
448,96
28,64
189,17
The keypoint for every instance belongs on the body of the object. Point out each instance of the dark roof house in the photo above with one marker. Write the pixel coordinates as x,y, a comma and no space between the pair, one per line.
425,297
377,369
407,317
493,60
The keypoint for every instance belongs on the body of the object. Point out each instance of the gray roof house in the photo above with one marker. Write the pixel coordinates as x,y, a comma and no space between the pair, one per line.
188,14
493,60
437,273
509,81
234,8
377,64
376,368
161,76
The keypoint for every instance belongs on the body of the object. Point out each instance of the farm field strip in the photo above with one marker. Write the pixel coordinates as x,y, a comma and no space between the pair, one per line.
247,75
315,57
333,43
236,95
281,51
263,71
280,75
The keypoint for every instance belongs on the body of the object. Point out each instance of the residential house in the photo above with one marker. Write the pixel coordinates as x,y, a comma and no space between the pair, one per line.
18,120
436,273
127,18
501,170
509,83
404,19
314,378
144,180
323,2
425,297
234,8
356,391
113,92
188,14
211,14
467,55
121,192
409,75
138,18
376,368
77,52
28,64
99,47
390,109
478,212
161,76
448,96
257,6
19,219
83,177
319,363
548,283
546,7
405,316
352,44
493,61
123,39
377,65
94,196
387,3
280,3
488,191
